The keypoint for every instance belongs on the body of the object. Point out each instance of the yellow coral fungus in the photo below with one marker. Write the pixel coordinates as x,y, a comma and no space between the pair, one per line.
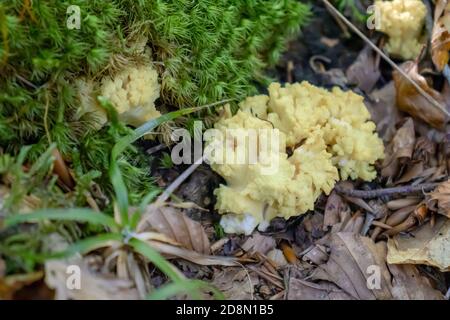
402,21
133,92
328,132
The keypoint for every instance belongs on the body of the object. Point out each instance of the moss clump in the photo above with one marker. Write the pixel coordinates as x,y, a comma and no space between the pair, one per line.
204,50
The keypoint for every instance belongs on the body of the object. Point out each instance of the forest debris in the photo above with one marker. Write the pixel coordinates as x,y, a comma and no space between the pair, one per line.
277,257
92,286
9,285
316,254
400,148
440,40
409,284
176,225
414,103
440,199
304,290
288,252
236,283
353,262
258,243
427,244
385,114
335,205
351,258
364,72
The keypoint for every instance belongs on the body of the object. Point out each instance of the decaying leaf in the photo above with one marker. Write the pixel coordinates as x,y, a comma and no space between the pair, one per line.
335,205
383,109
412,102
401,147
9,285
349,267
440,39
427,244
259,243
92,286
409,284
176,225
364,72
440,198
236,283
358,267
305,290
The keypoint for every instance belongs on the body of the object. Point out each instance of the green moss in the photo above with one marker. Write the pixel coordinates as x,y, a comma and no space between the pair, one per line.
205,51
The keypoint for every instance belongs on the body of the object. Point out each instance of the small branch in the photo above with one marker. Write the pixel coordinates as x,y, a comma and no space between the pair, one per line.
372,194
178,181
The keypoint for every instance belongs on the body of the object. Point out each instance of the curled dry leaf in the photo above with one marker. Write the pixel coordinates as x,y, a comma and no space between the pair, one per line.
305,290
353,262
92,286
176,225
335,205
427,244
9,285
258,243
401,147
364,72
440,199
235,283
412,102
440,39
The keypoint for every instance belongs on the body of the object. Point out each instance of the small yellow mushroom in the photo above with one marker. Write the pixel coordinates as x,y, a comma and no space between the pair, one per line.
402,21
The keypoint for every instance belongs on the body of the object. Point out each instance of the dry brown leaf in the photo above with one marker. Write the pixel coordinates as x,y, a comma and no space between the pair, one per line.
401,147
93,286
440,198
364,72
335,205
440,39
412,102
258,243
176,225
193,256
277,258
409,284
426,245
304,290
236,283
384,112
348,267
9,285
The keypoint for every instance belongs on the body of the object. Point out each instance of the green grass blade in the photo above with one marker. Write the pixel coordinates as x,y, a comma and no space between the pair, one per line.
74,214
148,127
117,181
157,259
89,244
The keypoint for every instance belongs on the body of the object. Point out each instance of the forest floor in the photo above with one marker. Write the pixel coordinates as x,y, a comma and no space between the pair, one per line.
387,239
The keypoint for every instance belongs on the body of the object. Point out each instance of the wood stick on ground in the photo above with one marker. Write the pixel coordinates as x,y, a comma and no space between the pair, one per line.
376,193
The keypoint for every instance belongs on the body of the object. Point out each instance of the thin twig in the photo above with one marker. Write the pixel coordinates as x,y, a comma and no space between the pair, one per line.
385,57
178,181
372,194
